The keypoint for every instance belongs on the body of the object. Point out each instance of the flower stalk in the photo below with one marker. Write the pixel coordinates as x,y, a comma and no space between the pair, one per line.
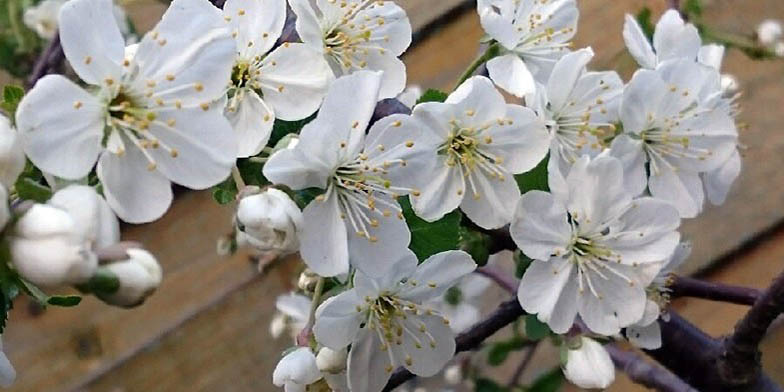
493,51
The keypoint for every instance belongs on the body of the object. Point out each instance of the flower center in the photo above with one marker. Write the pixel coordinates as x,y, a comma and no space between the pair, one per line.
465,148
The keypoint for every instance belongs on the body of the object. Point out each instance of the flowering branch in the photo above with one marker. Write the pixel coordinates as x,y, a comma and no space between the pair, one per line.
739,363
690,287
644,373
506,314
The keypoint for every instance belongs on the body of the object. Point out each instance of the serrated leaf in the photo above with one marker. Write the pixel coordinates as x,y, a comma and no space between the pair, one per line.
433,95
29,189
66,301
428,239
535,329
535,179
548,382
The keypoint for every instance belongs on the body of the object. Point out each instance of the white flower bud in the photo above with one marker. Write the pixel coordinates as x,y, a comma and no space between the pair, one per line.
453,375
331,361
269,221
43,18
46,248
589,366
296,370
769,31
139,276
278,325
12,158
95,222
729,85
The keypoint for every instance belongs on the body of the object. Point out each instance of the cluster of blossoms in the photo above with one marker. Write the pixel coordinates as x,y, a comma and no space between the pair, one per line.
625,163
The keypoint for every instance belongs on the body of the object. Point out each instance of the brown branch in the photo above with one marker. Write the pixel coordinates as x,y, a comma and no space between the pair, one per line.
501,278
48,61
644,373
506,314
739,363
518,373
690,287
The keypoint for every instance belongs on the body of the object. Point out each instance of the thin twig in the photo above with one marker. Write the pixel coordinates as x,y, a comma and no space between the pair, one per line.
644,373
506,282
518,373
690,287
48,61
506,314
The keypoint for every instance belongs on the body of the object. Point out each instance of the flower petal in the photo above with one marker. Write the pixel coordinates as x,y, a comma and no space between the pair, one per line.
674,39
297,367
566,72
136,194
510,73
590,366
400,268
637,43
296,306
300,167
540,226
323,242
369,367
389,26
492,204
718,182
300,77
390,237
337,320
442,195
646,337
596,190
92,41
258,24
437,274
548,289
682,188
619,304
252,121
308,27
648,233
428,345
631,154
477,102
61,126
521,144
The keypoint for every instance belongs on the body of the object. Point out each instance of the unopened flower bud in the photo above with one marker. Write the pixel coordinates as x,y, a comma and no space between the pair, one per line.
769,31
12,158
47,250
95,222
307,281
453,375
269,221
589,365
729,85
331,361
138,278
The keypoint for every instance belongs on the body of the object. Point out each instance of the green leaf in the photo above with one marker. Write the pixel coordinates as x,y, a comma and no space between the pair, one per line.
548,382
225,192
433,95
29,189
12,95
66,301
487,385
534,329
428,239
499,351
476,244
521,263
33,291
251,172
536,179
644,19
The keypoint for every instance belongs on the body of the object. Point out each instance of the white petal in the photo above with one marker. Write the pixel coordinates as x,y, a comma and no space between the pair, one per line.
297,82
637,43
711,55
510,73
477,101
323,242
673,39
369,368
683,189
718,182
258,24
436,346
95,222
204,143
337,320
136,194
461,317
596,190
296,306
92,41
252,121
492,205
308,27
682,252
437,274
401,267
61,127
495,25
590,366
631,154
620,304
394,71
394,34
442,195
189,54
641,96
12,157
300,167
649,232
434,118
548,289
522,144
646,337
565,75
389,238
298,367
540,226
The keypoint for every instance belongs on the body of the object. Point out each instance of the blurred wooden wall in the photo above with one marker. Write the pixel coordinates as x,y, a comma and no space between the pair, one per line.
207,327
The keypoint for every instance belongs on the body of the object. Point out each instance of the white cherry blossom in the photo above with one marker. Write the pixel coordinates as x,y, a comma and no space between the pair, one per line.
673,39
533,35
12,158
595,248
670,128
578,107
268,221
139,276
357,35
646,333
358,217
385,323
296,370
148,118
287,83
94,220
465,151
589,365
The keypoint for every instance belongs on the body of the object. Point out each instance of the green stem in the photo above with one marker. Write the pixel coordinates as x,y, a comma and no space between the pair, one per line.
494,50
237,176
316,301
741,42
13,18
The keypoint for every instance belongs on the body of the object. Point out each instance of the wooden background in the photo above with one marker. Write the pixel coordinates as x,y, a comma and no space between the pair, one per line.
207,327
